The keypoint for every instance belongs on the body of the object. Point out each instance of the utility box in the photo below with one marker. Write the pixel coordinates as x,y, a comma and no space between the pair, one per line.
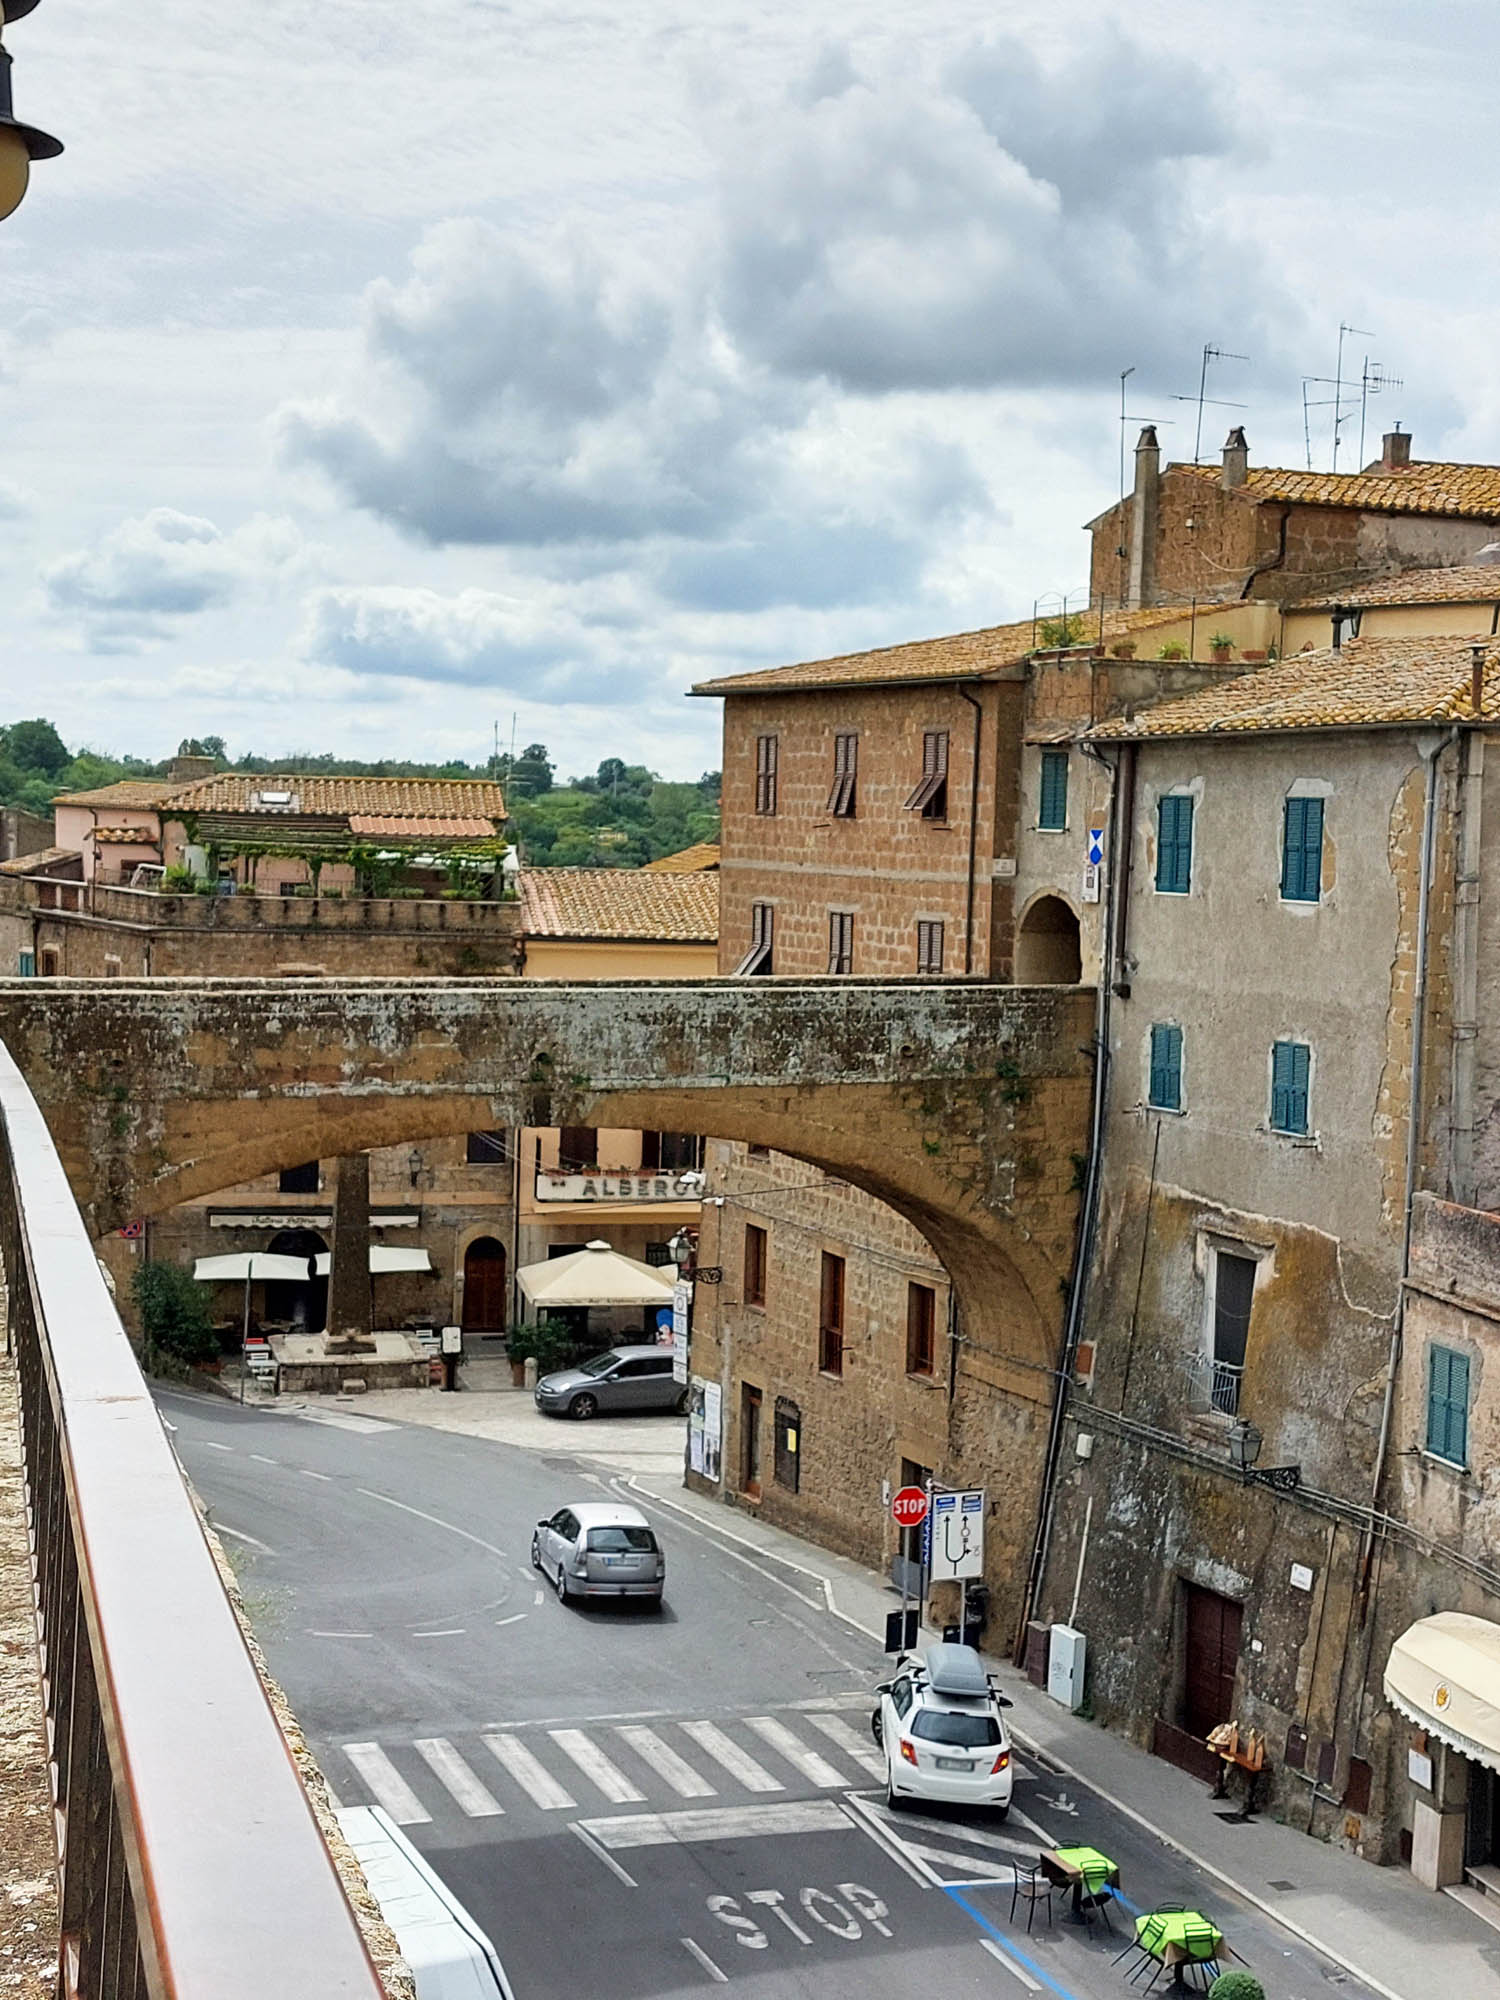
1065,1665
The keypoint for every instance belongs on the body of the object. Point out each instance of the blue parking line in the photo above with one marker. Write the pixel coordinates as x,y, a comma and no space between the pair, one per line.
1010,1948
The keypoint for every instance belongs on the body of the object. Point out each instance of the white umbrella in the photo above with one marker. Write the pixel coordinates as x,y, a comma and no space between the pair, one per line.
241,1266
594,1276
382,1260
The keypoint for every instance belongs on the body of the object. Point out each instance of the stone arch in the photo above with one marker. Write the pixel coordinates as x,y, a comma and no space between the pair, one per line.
484,1304
1049,948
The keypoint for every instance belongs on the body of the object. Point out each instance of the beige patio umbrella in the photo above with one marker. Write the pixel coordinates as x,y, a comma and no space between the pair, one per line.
596,1275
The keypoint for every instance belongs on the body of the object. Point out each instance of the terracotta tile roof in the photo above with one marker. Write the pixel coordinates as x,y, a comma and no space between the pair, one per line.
1426,486
147,792
37,864
393,827
694,860
125,836
961,656
635,903
337,798
1466,583
1370,682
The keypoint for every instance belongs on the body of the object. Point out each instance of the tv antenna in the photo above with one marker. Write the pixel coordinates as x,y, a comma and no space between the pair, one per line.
1338,384
1203,399
1372,380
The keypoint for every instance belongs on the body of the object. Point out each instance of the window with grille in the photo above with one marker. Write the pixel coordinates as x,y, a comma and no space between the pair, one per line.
1164,1088
921,1316
831,1316
765,773
577,1149
1174,844
929,945
762,937
299,1180
840,941
1448,1404
1291,1068
487,1149
845,770
1052,812
659,1254
755,1265
1234,1293
1302,851
788,1442
930,796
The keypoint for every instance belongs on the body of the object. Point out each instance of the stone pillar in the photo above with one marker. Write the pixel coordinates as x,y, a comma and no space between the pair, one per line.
349,1313
1141,589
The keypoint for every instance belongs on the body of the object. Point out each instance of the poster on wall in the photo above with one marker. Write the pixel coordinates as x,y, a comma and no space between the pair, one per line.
713,1430
682,1310
696,1400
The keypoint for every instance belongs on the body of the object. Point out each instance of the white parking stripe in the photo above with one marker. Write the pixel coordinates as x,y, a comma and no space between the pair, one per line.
455,1774
860,1748
531,1775
386,1782
664,1760
737,1762
796,1753
595,1766
1002,1957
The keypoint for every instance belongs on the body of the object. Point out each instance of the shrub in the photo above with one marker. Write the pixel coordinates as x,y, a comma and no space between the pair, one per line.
1058,632
1236,1986
1173,650
1221,642
174,1314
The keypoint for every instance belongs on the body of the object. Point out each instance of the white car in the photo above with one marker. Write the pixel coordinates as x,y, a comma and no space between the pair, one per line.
944,1737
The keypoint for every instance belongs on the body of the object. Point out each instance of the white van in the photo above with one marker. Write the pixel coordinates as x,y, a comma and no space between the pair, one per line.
450,1956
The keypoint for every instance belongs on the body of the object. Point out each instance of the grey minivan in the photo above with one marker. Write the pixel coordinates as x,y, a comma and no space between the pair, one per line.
623,1378
595,1549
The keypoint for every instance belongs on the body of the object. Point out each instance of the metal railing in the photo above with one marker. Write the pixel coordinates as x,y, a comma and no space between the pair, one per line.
190,1862
160,909
1215,1384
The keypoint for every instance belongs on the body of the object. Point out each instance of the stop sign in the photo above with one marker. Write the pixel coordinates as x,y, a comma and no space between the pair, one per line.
909,1507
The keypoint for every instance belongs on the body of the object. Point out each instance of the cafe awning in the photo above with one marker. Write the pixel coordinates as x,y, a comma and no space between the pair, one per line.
383,1260
595,1276
239,1265
1444,1675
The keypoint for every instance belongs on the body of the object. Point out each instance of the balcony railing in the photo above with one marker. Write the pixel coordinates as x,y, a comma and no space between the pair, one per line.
153,909
190,1862
1215,1385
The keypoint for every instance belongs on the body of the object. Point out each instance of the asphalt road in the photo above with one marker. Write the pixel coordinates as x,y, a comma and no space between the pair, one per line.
630,1803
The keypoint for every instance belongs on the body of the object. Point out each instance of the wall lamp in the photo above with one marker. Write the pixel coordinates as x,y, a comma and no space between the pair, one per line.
19,144
1245,1442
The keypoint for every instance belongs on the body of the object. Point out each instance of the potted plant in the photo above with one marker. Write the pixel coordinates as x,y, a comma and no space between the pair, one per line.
520,1347
1251,656
1221,646
1123,649
1174,649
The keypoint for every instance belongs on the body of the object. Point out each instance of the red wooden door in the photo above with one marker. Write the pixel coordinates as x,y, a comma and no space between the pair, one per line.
484,1286
1212,1654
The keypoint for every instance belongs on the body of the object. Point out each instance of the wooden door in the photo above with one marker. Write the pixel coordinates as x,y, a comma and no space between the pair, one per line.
1212,1655
750,1441
484,1286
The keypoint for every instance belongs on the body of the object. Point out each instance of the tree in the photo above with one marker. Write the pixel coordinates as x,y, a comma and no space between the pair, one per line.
36,747
203,746
174,1317
528,775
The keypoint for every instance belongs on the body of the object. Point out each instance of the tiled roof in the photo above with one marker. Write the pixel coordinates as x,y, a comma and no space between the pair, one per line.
125,836
36,864
338,798
147,792
1466,583
622,903
1368,683
694,860
393,827
1426,486
961,656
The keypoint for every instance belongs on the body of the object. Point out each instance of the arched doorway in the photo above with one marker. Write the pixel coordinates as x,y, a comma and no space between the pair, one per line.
301,1302
484,1286
1048,952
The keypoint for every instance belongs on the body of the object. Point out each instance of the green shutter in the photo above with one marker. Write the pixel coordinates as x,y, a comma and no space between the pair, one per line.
1291,1068
1302,851
1053,813
1164,1091
1174,844
1448,1404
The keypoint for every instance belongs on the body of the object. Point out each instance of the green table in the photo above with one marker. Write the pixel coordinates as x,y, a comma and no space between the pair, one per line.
1084,1870
1163,1934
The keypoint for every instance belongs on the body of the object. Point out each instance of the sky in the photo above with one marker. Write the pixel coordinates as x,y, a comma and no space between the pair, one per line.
394,378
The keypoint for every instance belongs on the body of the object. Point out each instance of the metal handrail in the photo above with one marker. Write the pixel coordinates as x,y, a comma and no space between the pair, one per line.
190,1861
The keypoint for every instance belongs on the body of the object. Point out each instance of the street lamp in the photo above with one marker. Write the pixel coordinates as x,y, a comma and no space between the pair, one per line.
1245,1442
19,144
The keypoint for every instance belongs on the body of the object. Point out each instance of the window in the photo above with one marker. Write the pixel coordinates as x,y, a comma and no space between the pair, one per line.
1052,813
1164,1090
750,1441
671,1152
930,798
921,1305
762,936
1291,1065
840,941
787,1438
577,1149
112,969
845,770
28,965
929,945
1302,851
755,1265
831,1316
1174,844
1448,1405
659,1254
486,1149
765,773
51,962
299,1180
1234,1291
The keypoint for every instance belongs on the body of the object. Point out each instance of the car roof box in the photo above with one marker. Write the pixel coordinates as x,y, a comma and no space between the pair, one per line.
956,1670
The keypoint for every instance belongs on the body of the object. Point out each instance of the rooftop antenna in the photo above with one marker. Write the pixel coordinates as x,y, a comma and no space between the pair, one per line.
1371,382
1203,399
1338,384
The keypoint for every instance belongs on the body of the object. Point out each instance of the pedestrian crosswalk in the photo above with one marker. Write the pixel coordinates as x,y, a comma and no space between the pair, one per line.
660,1761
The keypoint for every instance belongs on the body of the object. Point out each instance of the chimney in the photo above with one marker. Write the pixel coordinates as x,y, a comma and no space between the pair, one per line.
1476,682
1397,454
1143,520
1236,460
188,770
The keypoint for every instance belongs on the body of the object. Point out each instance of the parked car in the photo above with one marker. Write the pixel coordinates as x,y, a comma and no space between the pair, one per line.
599,1550
944,1737
623,1378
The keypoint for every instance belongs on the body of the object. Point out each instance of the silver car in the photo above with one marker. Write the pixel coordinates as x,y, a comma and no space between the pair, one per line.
622,1378
598,1550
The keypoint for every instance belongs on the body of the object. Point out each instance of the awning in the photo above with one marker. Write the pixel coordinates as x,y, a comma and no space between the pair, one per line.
383,1260
254,1264
1444,1674
595,1276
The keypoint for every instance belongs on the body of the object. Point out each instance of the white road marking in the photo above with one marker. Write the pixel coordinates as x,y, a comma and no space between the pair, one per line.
338,1635
435,1520
168,1427
664,1760
737,1762
386,1782
530,1773
456,1776
599,1854
973,1869
209,1444
861,1749
339,1420
795,1816
1002,1957
514,1618
540,1597
239,1535
308,1473
690,1945
260,1458
443,1632
796,1753
1047,1838
906,1821
595,1766
889,1845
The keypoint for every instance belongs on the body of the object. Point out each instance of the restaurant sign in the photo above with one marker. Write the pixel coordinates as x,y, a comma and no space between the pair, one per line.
612,1187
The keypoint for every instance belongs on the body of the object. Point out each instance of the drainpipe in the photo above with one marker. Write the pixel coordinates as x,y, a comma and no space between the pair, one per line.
973,833
1120,853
